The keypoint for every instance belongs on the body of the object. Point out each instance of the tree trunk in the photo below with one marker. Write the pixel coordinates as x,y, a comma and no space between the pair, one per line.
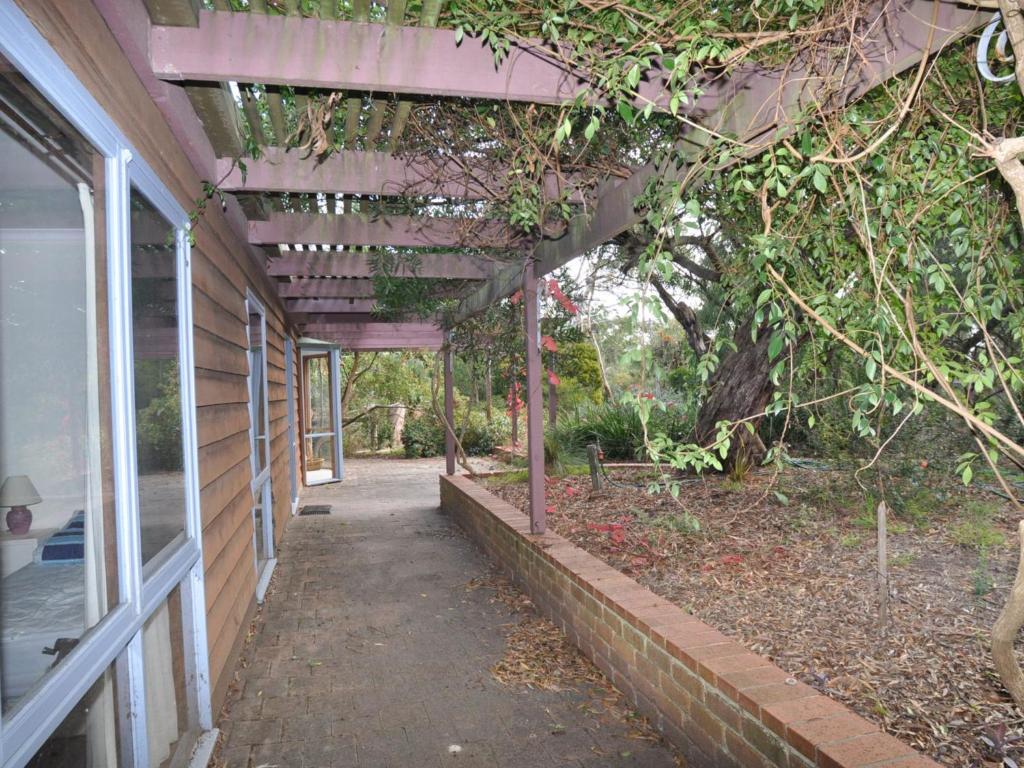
740,387
1004,633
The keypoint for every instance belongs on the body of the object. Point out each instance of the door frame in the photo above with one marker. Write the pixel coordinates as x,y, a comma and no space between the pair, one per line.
311,348
262,487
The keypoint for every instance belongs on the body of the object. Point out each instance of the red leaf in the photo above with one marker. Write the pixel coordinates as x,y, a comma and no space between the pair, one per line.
731,559
561,298
553,378
516,297
617,535
548,343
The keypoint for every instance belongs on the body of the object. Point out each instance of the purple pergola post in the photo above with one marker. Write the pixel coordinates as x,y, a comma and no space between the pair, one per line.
552,392
449,407
534,401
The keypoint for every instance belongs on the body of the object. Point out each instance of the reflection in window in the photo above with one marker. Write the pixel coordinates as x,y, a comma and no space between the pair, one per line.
157,377
57,548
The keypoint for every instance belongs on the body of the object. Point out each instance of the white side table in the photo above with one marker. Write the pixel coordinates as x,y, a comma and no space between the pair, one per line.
17,551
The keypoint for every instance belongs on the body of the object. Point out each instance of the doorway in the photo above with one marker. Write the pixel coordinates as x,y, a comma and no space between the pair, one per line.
322,460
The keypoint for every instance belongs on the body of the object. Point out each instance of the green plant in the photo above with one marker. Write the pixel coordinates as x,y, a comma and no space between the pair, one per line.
678,522
423,436
981,578
617,428
850,540
977,531
902,560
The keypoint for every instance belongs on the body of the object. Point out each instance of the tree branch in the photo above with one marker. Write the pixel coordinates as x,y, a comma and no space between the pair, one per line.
685,316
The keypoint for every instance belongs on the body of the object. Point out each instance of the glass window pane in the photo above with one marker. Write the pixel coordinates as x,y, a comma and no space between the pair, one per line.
157,377
257,390
166,703
319,459
318,379
260,513
57,552
88,736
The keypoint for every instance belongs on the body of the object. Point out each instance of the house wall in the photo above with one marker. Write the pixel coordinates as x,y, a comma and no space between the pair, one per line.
722,705
221,271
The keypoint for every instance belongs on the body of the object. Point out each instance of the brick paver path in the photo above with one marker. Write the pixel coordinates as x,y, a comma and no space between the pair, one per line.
372,652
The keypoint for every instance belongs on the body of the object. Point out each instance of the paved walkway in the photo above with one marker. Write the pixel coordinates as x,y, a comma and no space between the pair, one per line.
372,652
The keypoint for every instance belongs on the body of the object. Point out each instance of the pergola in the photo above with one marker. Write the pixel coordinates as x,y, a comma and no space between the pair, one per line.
217,76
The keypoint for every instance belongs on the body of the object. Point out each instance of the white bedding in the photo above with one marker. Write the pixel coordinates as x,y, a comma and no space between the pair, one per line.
38,604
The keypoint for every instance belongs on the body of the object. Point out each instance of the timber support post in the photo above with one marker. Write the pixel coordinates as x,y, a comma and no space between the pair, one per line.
552,392
593,459
449,407
534,400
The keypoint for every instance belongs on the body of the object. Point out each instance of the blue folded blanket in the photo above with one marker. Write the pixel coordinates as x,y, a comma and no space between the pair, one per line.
66,546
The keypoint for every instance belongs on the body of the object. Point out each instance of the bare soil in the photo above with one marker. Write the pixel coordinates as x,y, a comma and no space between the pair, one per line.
788,566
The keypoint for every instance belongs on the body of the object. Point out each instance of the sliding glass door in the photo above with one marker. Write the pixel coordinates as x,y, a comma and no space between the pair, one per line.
322,445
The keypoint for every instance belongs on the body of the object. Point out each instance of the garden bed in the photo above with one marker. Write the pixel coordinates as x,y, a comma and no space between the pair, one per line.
788,568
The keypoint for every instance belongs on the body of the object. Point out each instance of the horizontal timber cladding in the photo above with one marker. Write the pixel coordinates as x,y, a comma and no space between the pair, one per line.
222,270
712,698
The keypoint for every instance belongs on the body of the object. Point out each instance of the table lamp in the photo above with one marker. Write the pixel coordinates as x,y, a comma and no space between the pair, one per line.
17,493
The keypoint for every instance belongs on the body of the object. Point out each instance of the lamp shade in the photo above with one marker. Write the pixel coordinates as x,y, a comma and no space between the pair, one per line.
18,491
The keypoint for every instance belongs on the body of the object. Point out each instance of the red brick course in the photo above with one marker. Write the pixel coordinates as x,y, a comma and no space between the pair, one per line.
720,704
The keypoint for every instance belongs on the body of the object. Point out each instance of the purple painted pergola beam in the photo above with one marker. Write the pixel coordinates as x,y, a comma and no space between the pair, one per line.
343,55
373,337
319,307
450,265
353,172
398,231
751,104
336,288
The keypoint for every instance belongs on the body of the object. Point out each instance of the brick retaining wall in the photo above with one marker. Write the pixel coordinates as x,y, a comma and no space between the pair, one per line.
720,704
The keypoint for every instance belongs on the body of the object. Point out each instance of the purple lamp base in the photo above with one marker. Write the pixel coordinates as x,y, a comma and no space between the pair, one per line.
19,520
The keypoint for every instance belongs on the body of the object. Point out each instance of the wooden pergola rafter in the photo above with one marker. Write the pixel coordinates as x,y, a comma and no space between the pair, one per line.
191,59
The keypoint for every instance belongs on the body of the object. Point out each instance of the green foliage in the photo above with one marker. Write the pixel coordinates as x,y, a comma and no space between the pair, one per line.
977,531
675,522
577,366
424,435
617,428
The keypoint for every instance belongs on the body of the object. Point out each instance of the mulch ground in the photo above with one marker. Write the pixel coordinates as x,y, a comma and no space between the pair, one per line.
788,566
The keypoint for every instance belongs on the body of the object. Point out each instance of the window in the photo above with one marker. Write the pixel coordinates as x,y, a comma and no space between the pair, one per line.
258,386
57,547
95,338
159,447
259,429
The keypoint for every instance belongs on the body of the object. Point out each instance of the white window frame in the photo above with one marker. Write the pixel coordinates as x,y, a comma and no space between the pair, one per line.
261,481
293,430
117,638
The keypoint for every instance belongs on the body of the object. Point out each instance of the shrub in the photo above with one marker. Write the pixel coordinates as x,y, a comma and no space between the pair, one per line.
424,434
617,429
